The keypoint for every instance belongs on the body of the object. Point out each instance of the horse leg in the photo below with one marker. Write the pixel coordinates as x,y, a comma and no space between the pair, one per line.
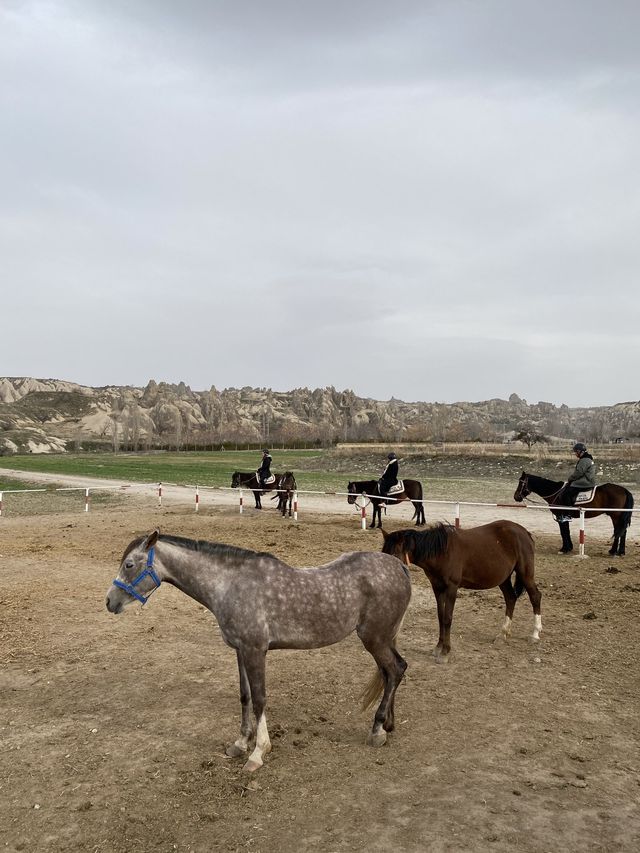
391,667
567,544
535,597
622,542
619,536
510,599
376,511
446,594
256,495
254,662
240,746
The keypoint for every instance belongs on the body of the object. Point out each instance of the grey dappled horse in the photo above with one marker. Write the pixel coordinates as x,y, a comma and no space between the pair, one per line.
261,603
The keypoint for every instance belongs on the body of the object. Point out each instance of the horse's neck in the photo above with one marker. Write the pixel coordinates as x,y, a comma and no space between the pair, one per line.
543,487
199,575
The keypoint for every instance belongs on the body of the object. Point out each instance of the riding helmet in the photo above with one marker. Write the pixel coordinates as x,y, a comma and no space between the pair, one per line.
579,447
265,451
392,456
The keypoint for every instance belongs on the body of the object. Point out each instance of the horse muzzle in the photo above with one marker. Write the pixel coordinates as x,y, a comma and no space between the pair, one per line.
114,601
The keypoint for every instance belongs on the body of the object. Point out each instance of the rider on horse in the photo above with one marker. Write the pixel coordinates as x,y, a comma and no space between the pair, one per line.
582,477
389,475
264,471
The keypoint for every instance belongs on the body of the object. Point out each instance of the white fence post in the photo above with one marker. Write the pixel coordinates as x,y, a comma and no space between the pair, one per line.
86,500
295,506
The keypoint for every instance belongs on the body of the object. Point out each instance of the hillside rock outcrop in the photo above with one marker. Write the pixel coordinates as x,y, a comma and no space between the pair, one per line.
50,415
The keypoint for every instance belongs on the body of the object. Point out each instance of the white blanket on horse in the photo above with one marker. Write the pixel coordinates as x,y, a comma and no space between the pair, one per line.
586,496
394,490
268,481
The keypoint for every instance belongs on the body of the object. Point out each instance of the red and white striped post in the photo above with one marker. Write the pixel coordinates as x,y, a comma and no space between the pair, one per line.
295,506
0,504
457,522
197,499
363,516
241,502
581,550
159,494
86,500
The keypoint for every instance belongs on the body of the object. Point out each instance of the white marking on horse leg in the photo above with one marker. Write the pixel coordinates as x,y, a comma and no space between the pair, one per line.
506,628
263,746
537,627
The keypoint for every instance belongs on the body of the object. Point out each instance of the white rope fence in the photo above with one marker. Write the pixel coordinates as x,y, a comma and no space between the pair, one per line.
361,501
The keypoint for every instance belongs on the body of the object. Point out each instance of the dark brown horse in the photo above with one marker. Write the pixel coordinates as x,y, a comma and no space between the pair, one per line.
478,558
611,499
284,484
412,492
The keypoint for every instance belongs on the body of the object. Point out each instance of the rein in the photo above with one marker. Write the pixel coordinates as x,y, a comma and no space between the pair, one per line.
130,588
525,485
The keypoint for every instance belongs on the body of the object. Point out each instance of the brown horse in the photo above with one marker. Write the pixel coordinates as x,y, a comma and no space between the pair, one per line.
284,484
478,558
611,499
412,492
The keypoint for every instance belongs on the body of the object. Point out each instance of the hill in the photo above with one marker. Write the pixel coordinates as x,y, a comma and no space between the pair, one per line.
51,415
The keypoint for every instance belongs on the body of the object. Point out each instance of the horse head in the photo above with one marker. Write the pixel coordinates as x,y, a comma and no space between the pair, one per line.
353,494
398,544
235,479
523,488
137,577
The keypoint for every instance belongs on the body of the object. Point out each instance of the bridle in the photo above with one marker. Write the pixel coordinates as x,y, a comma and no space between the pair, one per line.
148,571
524,486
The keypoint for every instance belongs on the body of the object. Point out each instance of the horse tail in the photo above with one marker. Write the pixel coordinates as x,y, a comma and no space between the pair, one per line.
375,686
518,586
624,519
417,506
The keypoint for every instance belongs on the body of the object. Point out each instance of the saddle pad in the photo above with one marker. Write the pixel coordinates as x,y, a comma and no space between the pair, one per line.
269,480
399,487
585,497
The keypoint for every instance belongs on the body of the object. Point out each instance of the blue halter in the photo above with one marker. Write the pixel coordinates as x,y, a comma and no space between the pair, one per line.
130,588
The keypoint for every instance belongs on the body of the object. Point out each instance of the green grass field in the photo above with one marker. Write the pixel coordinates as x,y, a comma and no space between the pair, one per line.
206,469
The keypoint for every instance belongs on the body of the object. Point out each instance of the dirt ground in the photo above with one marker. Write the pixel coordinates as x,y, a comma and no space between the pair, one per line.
114,727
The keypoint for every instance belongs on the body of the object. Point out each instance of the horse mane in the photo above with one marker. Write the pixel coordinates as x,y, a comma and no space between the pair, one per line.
542,480
432,542
214,549
367,485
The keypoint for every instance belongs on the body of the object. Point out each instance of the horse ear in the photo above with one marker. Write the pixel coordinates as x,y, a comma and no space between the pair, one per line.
384,533
151,540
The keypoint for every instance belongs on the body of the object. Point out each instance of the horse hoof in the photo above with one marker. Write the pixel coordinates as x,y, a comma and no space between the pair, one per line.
565,550
377,739
252,765
441,658
234,751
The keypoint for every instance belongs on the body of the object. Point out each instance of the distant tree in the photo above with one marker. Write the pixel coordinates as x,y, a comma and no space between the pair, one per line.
529,437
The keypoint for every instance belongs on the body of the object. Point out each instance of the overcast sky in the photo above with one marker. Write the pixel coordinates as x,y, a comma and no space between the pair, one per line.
433,200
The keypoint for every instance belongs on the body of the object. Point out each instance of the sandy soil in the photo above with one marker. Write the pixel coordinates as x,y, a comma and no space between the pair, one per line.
113,728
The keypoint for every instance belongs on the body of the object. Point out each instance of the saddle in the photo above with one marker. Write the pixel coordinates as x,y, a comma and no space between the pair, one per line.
394,490
269,480
585,497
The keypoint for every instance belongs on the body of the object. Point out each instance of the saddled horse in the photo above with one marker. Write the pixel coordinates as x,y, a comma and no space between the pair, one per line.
261,603
284,484
476,558
609,498
412,492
